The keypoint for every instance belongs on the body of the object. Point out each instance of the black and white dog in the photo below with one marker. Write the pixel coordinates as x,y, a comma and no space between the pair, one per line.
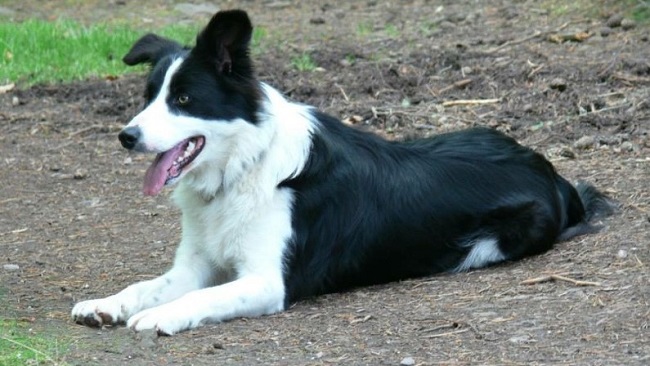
281,202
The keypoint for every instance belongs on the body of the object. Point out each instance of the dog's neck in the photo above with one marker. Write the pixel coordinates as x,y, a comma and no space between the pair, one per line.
260,155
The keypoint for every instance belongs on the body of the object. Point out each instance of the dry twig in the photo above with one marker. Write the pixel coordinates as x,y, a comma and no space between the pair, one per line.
557,277
451,103
457,85
630,78
463,330
528,38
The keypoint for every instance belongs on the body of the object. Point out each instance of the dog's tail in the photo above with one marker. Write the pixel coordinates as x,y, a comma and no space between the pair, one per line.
583,204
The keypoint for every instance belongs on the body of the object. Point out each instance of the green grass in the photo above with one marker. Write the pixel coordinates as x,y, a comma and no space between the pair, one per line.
641,11
392,31
364,29
19,345
37,51
303,62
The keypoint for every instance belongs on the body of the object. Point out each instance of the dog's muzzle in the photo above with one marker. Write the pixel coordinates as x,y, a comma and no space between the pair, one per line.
129,137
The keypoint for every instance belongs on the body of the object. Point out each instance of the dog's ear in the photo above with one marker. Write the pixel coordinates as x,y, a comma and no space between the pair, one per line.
150,49
225,40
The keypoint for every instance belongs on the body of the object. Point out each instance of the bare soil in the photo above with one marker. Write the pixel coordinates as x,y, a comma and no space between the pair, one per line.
73,219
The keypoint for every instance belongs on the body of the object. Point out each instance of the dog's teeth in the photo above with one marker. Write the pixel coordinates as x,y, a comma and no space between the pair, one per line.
190,146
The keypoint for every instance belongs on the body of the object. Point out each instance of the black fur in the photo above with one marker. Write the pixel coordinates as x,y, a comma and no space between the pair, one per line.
370,211
217,75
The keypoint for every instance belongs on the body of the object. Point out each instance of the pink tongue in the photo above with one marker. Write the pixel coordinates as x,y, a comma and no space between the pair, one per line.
158,172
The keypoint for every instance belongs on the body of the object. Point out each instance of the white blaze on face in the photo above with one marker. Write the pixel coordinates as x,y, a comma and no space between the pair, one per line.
160,129
173,137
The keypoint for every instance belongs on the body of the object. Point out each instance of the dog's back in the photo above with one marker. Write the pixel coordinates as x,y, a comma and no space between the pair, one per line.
369,211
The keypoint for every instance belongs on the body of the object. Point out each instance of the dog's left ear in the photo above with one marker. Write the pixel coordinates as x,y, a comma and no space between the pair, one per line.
150,49
225,39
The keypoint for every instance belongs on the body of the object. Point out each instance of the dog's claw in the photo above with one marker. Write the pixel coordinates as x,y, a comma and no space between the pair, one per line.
89,320
106,318
162,333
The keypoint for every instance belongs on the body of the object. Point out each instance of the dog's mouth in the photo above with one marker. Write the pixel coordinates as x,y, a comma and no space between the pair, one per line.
169,165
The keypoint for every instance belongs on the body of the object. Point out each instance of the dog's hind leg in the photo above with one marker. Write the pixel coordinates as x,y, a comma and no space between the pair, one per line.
508,232
189,273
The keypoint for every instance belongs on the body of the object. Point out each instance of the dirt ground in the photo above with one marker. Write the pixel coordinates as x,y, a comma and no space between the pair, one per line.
73,220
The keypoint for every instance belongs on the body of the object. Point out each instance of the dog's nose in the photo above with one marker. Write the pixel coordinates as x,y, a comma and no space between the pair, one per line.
129,137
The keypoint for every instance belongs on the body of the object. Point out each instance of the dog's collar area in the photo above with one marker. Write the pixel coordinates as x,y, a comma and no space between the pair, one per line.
169,165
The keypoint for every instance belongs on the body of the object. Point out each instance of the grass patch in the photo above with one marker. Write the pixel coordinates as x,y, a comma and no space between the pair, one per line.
364,29
428,28
37,51
641,11
303,62
19,345
259,33
392,31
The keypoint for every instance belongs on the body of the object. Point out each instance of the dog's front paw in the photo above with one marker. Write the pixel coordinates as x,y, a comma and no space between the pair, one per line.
166,319
99,312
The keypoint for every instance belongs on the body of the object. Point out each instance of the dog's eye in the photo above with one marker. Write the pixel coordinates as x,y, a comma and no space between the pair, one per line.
183,99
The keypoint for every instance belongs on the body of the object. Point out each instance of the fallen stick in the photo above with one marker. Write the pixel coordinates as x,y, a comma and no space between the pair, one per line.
451,103
7,88
630,78
556,277
528,38
458,85
446,333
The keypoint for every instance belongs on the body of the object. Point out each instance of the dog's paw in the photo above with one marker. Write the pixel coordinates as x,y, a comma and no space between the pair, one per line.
99,312
166,319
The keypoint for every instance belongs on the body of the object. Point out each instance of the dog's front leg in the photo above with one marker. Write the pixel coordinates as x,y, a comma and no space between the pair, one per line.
249,296
187,274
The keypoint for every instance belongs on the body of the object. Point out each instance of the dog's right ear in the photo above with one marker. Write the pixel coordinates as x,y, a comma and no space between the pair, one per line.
151,49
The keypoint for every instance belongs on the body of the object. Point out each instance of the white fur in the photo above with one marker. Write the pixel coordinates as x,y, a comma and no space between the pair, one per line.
160,130
483,253
236,222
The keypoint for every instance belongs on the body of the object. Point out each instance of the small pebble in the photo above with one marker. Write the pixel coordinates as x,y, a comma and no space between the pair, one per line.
80,174
11,267
566,152
528,108
446,25
345,63
628,146
407,361
585,142
605,31
628,24
614,21
558,84
457,18
15,101
466,70
622,253
147,339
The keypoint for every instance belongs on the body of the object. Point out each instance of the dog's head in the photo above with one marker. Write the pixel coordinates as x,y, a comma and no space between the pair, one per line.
199,102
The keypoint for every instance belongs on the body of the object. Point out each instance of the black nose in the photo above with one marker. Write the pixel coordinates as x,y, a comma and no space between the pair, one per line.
129,137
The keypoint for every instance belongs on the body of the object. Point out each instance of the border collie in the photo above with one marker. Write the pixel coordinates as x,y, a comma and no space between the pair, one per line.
281,202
